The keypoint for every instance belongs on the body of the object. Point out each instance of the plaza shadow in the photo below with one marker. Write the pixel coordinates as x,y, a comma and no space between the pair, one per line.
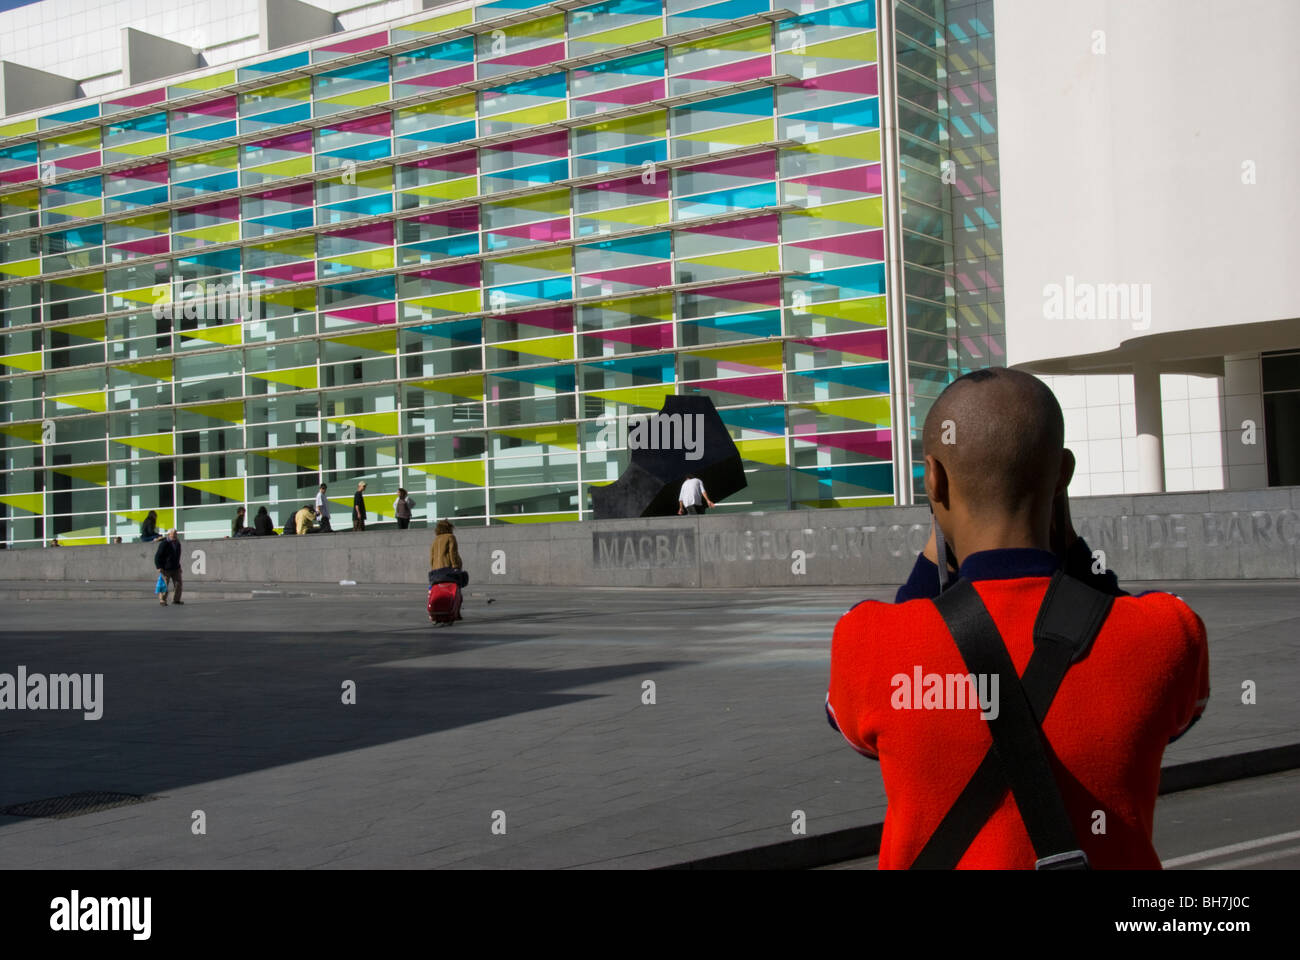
207,705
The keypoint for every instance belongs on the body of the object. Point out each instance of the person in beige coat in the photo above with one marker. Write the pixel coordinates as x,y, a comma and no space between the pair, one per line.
443,553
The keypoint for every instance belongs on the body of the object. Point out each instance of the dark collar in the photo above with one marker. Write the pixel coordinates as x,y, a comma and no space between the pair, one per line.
1010,564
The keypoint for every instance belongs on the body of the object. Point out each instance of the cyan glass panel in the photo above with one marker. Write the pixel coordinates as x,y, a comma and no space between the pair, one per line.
723,201
358,76
607,161
415,63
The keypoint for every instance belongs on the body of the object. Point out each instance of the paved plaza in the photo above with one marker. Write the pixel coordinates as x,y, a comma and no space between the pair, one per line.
529,716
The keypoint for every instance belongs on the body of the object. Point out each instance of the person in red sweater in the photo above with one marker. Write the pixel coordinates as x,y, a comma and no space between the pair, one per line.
995,469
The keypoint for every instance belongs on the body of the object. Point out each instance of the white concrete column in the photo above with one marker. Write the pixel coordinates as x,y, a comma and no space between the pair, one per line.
900,397
1150,429
1246,464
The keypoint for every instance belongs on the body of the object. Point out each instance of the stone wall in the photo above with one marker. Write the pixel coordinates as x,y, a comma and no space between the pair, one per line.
1225,535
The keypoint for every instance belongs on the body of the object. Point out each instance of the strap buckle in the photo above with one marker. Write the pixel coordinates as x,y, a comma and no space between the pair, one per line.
1070,860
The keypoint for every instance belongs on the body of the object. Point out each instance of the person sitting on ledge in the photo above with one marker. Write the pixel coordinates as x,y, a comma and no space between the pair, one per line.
303,519
149,528
262,524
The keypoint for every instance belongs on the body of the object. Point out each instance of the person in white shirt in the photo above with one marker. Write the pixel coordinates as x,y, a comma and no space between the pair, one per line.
688,500
402,508
323,510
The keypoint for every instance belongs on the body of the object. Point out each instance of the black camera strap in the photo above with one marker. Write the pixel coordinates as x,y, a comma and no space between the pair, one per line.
1069,619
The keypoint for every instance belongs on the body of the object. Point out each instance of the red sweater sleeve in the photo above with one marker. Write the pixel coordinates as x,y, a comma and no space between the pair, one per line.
1192,688
847,700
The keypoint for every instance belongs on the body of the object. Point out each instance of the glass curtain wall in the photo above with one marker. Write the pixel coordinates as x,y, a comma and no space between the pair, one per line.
948,176
454,254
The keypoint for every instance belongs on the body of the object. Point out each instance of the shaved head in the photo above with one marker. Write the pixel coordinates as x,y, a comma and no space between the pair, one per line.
999,436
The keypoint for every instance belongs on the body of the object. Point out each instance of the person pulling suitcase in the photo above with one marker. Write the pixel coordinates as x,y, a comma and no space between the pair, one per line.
447,578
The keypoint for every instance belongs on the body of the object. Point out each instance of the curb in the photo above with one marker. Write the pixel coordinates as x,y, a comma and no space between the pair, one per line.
249,593
855,843
231,592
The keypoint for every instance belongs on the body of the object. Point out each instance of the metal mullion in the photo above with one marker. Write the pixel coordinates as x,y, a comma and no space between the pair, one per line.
397,390
320,396
488,459
785,336
574,333
675,296
895,289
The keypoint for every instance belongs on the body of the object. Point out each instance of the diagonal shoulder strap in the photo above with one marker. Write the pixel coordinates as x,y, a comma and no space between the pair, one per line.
1069,619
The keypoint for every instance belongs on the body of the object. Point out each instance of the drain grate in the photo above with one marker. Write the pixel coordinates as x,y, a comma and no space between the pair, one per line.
75,804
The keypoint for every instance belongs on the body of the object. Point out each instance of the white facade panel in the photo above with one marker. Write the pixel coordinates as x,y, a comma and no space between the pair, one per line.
1146,145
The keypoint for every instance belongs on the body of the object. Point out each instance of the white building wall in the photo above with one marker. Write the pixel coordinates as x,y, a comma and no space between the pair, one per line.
1140,144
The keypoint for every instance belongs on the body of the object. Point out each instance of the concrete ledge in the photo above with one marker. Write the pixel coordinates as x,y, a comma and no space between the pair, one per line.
1237,535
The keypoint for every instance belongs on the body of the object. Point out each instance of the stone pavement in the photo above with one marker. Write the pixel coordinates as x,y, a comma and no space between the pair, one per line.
531,707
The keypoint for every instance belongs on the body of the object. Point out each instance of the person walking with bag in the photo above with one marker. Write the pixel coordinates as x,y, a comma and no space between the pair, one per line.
444,554
402,508
359,507
167,560
446,577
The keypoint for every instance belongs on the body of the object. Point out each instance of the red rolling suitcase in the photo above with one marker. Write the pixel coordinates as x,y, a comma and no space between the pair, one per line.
444,602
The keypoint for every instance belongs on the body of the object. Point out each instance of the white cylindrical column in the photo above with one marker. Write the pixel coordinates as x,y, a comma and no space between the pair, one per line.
1150,429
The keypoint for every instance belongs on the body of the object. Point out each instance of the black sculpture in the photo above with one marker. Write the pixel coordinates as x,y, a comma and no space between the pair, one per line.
665,448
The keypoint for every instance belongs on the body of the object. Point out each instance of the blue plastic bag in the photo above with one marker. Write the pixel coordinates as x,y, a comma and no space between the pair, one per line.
161,585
